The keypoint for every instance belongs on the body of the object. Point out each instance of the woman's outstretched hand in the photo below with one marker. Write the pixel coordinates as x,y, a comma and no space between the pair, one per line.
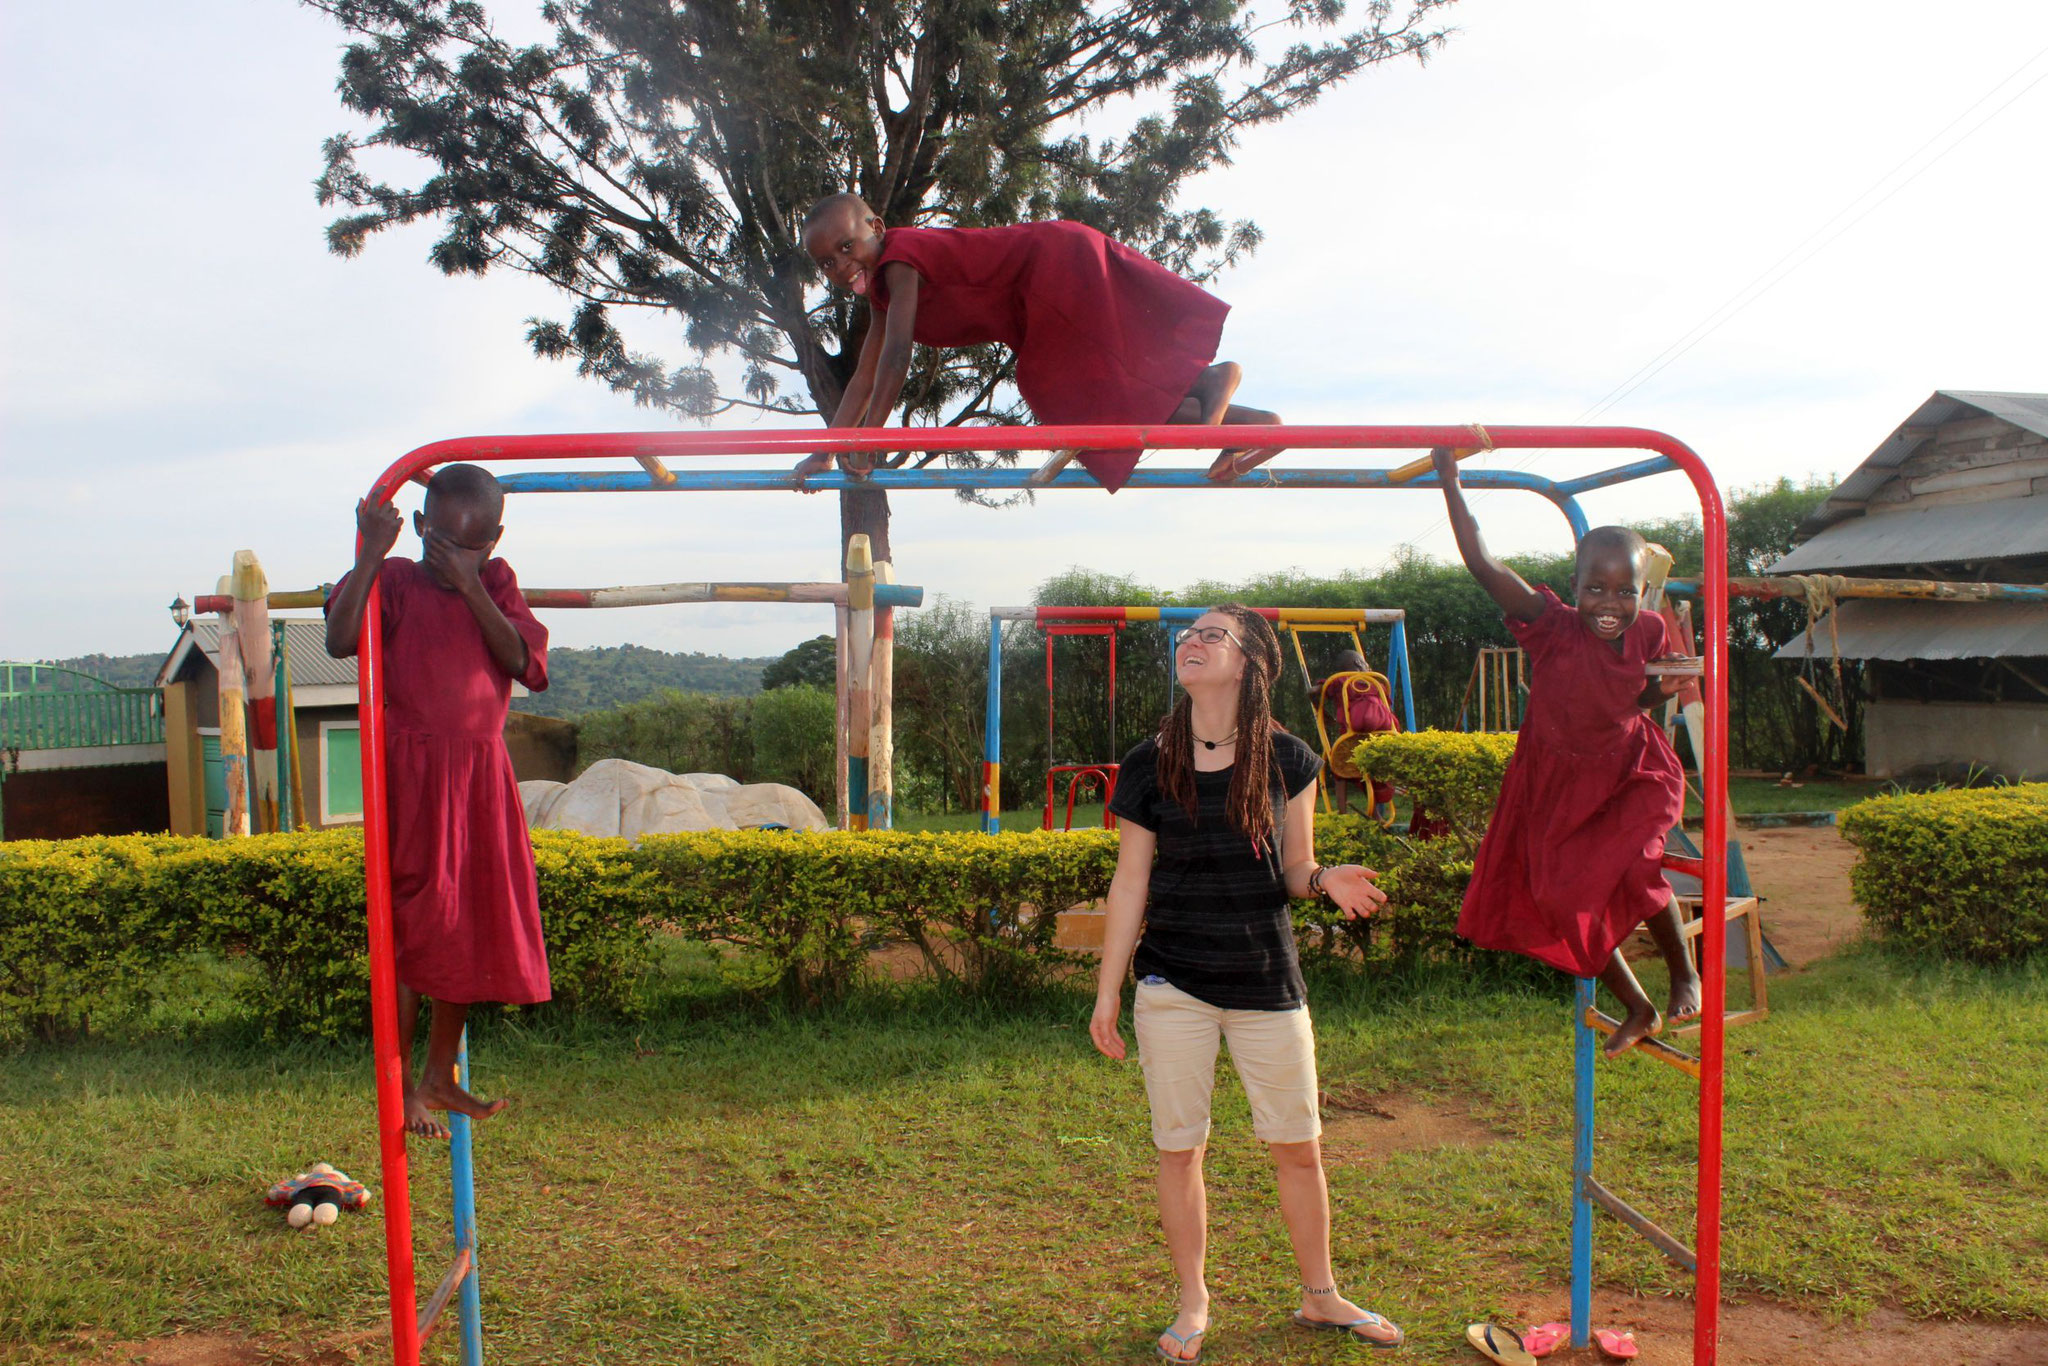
1353,889
1102,1026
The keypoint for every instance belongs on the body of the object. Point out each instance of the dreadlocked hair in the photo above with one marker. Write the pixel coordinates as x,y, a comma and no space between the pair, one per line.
1249,806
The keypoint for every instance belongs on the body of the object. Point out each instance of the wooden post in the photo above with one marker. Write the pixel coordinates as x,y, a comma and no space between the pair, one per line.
860,652
234,742
882,737
839,811
252,630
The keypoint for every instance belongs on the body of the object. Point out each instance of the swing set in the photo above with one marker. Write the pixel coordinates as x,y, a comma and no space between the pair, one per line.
650,450
1098,778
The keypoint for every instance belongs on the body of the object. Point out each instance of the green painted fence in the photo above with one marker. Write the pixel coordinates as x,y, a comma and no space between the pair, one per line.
43,706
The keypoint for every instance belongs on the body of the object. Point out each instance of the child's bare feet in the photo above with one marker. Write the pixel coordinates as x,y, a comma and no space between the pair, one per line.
418,1120
1243,459
1641,1022
439,1094
1685,1003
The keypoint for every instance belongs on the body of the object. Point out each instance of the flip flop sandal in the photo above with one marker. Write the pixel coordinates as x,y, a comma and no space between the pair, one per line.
1183,1341
1498,1344
1546,1338
1615,1346
1366,1319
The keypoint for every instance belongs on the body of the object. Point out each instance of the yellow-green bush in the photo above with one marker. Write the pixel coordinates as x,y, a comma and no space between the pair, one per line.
1455,773
803,910
1962,874
84,922
1425,885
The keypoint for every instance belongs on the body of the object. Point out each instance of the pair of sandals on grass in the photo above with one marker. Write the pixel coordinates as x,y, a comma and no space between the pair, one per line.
1509,1348
1368,1328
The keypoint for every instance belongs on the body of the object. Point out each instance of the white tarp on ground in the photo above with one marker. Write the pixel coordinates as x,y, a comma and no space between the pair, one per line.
618,797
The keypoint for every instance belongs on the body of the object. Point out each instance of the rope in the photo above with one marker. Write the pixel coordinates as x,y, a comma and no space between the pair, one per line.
1479,434
1823,594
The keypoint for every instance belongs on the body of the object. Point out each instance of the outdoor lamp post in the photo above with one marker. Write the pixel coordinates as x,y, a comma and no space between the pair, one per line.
181,611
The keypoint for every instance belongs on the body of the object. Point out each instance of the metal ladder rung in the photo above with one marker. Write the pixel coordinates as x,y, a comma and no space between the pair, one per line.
1680,1255
430,1312
1652,1047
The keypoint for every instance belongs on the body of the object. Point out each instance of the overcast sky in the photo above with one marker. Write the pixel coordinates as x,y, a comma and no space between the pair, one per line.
1505,235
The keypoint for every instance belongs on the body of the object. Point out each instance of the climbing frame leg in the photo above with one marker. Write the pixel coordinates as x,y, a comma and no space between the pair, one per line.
1582,1167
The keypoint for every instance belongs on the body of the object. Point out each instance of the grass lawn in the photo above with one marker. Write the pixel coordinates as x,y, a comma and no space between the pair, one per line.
906,1179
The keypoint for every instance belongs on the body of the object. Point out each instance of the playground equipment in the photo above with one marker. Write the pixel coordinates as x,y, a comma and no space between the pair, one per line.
652,448
1500,681
1057,622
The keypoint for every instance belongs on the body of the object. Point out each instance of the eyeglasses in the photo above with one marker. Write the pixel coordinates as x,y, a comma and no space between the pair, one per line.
1208,635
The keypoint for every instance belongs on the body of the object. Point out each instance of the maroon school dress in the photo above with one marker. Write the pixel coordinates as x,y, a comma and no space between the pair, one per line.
1571,864
1102,333
1370,715
465,909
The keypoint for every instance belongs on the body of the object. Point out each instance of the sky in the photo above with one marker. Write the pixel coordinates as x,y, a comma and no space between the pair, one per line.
1561,197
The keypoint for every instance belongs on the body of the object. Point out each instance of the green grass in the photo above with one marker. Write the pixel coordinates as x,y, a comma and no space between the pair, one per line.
908,1179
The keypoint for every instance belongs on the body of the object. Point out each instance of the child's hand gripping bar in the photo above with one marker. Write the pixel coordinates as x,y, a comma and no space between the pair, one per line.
1416,468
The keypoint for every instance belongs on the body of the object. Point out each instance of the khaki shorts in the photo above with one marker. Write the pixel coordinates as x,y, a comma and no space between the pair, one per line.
1275,1054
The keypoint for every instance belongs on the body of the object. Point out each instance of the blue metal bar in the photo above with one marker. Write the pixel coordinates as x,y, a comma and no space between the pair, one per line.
461,1175
992,743
1399,650
778,481
1582,1167
1620,474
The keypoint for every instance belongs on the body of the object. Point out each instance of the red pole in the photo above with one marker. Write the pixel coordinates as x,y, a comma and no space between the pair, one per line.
405,1339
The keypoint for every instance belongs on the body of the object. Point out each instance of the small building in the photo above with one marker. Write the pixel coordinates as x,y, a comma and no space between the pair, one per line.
324,772
78,755
1959,493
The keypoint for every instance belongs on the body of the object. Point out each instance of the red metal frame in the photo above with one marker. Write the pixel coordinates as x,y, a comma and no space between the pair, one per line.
707,444
1053,631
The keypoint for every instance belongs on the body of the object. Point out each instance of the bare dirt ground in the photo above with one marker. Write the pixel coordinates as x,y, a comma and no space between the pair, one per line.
1803,876
1760,1333
225,1349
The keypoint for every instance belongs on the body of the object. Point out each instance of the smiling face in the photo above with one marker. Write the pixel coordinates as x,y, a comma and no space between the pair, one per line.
1609,591
844,242
1200,663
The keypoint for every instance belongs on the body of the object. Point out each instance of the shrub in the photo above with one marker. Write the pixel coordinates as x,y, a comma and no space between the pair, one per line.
1960,874
74,937
793,734
804,910
681,732
1456,774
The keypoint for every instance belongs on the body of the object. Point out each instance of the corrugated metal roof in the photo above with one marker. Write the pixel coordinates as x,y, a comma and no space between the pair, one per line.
1866,629
305,643
2029,411
2005,529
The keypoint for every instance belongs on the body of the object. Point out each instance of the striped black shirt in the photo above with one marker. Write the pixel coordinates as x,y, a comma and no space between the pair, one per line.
1217,923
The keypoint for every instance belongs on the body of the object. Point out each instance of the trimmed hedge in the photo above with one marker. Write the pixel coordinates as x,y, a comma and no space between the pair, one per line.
89,924
1961,874
1455,773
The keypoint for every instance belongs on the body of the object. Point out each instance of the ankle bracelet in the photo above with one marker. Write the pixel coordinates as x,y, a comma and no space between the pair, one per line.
1313,1291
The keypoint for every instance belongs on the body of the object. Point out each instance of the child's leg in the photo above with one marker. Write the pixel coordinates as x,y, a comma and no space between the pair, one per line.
438,1090
1641,1020
417,1118
1665,928
1208,404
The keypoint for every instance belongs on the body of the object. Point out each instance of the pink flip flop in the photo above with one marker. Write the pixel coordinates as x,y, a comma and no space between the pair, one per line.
1617,1346
1546,1338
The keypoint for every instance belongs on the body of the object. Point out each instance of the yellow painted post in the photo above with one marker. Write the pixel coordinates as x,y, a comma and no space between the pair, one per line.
252,630
234,740
860,652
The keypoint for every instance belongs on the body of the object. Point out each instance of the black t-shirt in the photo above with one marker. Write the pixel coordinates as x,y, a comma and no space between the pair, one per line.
1217,923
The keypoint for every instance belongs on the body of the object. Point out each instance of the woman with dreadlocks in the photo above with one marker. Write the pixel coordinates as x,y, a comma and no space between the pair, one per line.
1217,817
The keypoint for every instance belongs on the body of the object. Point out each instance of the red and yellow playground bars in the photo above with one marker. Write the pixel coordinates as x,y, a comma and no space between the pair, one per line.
651,449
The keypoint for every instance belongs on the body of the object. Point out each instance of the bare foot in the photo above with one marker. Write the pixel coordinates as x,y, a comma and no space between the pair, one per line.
1183,1341
1242,459
437,1094
417,1118
1685,1003
1640,1024
1334,1311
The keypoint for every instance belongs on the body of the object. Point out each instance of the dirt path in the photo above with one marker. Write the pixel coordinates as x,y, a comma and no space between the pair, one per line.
1802,873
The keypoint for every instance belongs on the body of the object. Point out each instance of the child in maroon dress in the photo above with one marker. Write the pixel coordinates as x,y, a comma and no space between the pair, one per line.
1367,713
465,909
1572,862
1101,333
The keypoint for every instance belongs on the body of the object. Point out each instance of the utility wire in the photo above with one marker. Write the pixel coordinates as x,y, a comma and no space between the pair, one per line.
1778,270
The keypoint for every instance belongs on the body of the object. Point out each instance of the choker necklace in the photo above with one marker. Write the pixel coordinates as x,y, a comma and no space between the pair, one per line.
1211,744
